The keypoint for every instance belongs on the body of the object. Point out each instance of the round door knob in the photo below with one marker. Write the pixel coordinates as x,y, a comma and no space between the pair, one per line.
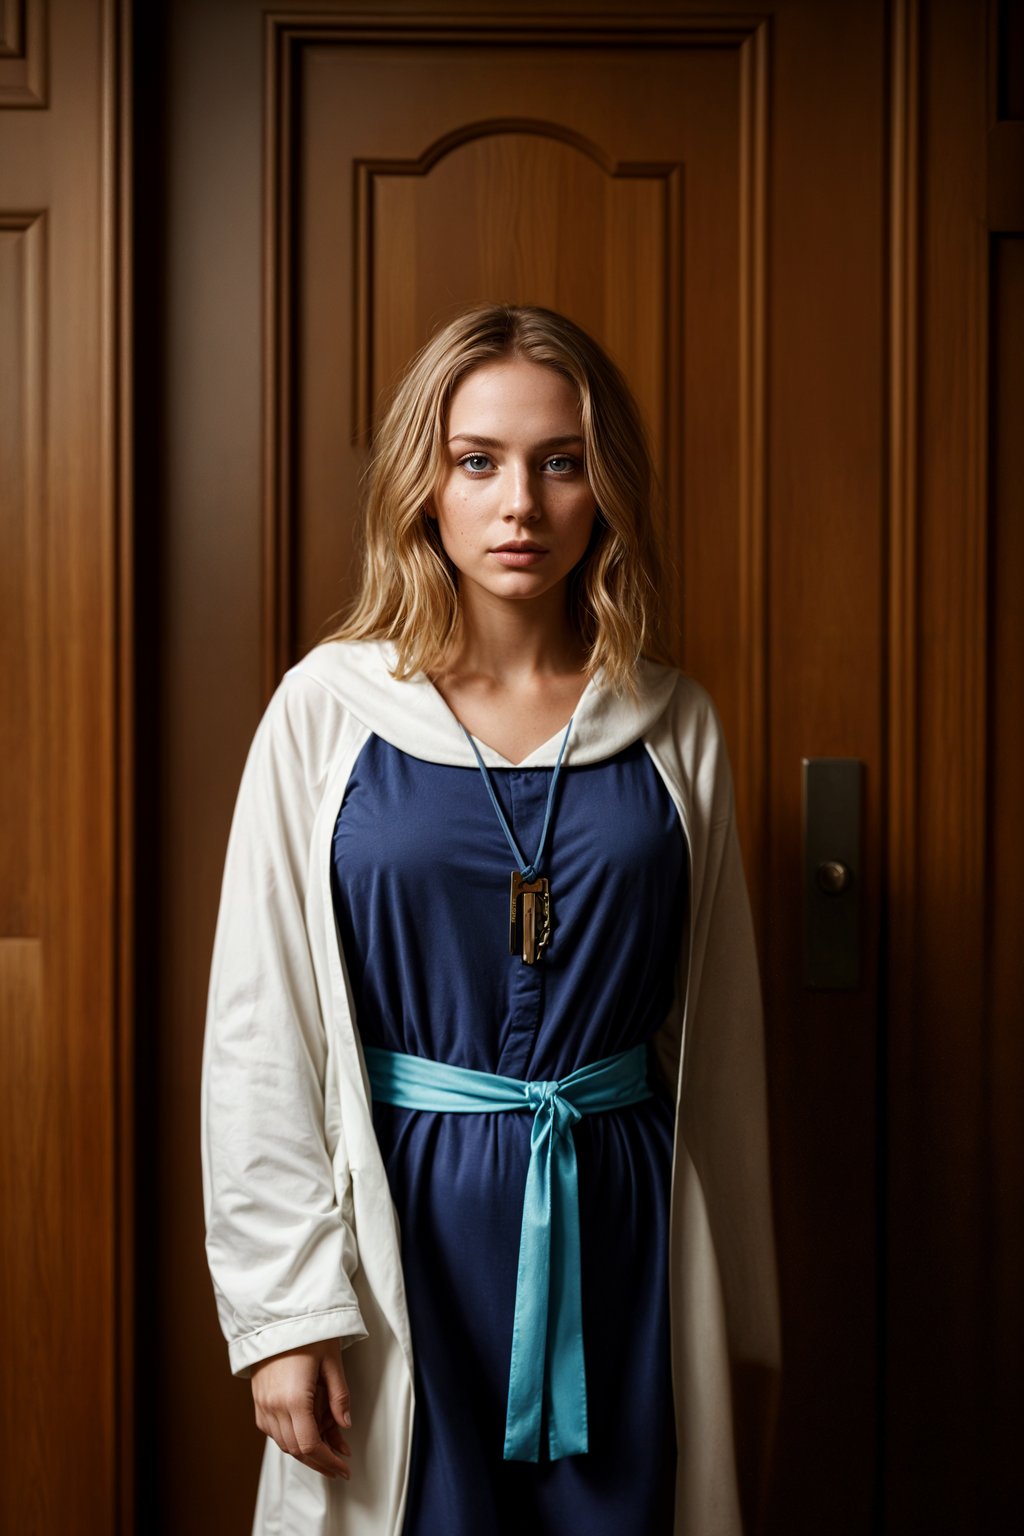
833,877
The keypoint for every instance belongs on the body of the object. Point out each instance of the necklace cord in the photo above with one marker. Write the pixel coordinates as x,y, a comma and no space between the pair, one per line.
527,871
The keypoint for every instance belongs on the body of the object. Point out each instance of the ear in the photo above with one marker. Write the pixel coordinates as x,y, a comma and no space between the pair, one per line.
428,510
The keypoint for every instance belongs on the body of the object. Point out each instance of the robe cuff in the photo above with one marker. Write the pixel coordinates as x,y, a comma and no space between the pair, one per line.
344,1323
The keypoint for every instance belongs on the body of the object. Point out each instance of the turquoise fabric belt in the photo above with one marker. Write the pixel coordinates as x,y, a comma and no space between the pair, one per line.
547,1334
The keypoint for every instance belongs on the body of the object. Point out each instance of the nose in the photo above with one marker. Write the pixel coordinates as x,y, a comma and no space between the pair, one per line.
521,496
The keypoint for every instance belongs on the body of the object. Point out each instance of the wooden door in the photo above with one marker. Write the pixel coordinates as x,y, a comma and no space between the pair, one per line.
65,775
619,172
742,207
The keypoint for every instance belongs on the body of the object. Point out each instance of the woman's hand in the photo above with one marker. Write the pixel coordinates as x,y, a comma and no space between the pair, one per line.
301,1399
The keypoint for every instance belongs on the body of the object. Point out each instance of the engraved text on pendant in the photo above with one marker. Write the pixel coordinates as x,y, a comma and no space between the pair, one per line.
529,916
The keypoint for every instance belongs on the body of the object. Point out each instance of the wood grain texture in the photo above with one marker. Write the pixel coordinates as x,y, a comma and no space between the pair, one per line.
484,176
24,53
23,307
64,1239
118,438
750,741
1003,1407
826,426
904,450
900,910
937,1025
34,1262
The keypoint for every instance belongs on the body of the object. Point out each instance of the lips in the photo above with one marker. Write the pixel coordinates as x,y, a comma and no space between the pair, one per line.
519,554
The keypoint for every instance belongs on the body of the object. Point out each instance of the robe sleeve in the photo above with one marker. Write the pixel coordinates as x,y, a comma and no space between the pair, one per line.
280,1252
726,1324
724,1109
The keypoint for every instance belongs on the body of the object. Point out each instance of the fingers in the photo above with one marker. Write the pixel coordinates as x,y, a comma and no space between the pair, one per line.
334,1438
306,1444
332,1370
297,1433
293,1406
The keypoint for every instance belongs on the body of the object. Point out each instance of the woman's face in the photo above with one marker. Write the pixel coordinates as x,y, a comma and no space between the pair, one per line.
514,477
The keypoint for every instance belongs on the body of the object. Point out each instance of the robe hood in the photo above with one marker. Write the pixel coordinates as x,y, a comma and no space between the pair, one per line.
413,716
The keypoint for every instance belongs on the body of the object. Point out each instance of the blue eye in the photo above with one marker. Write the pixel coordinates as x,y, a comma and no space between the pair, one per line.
475,463
563,464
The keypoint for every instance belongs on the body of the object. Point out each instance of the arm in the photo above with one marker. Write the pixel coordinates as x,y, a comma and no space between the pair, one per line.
280,1252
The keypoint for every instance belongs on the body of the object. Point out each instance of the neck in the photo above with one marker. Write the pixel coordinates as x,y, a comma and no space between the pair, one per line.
512,642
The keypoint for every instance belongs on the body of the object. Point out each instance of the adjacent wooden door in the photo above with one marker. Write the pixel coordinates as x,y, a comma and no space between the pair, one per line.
778,224
66,1023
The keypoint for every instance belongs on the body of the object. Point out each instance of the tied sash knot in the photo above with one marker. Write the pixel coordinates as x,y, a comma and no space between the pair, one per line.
547,1366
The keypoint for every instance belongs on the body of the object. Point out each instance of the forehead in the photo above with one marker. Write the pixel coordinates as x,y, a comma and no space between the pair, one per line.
516,395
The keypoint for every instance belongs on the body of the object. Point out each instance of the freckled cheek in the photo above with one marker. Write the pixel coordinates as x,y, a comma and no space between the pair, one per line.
459,527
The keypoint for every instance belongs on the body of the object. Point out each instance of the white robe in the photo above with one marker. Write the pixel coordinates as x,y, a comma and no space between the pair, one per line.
301,1235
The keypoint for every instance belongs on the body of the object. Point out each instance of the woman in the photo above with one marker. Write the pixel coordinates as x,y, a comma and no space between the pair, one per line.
484,1152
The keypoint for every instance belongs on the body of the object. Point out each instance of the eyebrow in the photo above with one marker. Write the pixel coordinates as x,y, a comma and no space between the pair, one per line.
494,442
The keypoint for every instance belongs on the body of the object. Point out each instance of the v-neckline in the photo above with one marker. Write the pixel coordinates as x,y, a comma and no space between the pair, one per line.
506,762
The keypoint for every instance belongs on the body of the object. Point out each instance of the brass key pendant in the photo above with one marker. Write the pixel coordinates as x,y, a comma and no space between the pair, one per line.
532,929
529,901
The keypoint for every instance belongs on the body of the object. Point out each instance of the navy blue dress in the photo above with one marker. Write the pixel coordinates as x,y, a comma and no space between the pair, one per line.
420,875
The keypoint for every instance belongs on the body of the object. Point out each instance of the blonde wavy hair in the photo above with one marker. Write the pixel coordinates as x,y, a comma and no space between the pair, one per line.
408,592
